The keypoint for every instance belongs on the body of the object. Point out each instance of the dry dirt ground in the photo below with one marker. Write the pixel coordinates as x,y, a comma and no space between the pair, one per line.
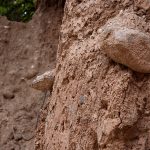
26,50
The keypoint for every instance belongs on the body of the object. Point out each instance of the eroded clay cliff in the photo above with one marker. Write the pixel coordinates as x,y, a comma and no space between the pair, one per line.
97,103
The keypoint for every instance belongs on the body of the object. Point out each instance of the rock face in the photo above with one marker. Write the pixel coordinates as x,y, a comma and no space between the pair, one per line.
125,45
97,104
45,81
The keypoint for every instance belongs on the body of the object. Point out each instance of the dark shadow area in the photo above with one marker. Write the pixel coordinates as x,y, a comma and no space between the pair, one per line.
44,4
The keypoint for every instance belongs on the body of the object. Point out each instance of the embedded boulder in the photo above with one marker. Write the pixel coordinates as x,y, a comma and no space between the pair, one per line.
126,45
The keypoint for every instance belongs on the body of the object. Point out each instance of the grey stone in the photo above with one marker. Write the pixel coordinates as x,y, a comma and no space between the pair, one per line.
127,46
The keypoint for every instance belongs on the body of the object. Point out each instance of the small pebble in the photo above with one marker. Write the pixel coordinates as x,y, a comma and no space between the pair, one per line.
8,94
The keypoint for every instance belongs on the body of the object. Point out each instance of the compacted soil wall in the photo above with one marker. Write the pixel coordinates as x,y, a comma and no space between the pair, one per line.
96,103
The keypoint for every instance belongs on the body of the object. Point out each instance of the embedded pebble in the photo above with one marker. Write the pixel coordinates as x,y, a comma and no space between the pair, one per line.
45,81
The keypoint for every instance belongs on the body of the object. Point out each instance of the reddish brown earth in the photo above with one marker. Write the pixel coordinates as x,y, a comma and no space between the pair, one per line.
96,103
25,51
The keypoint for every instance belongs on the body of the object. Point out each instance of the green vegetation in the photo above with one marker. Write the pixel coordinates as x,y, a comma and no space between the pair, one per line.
17,10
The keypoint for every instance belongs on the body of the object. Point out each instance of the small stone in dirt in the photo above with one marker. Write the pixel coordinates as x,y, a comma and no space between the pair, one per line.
7,94
82,99
28,136
7,27
45,81
18,136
